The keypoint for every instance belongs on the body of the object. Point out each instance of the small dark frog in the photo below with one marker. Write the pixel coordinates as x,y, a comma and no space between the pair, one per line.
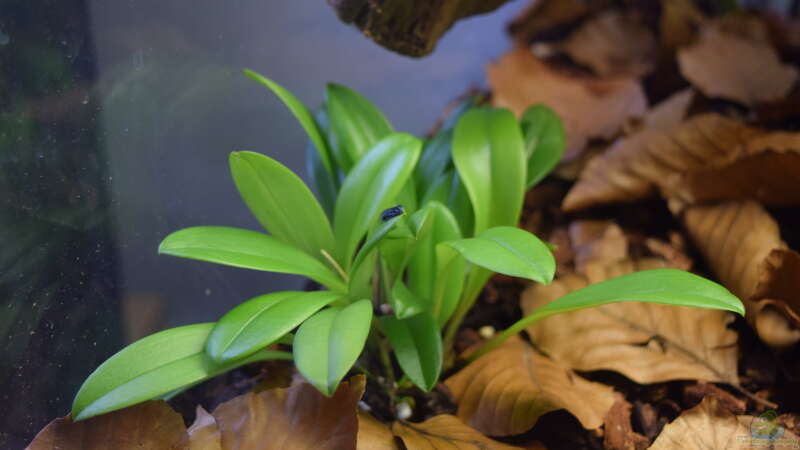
394,211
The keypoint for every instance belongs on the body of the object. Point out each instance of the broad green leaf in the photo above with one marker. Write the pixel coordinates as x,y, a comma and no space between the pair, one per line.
361,278
489,154
282,203
421,223
510,251
417,346
438,191
668,286
665,286
356,125
247,249
301,113
326,183
153,367
421,269
327,345
449,282
545,140
373,239
404,302
263,320
370,188
396,251
408,196
434,160
460,204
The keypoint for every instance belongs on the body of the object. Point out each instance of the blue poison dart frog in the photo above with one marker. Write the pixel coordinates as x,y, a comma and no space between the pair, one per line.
394,211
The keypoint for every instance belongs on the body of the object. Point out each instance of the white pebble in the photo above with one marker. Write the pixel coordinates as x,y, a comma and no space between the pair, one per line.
403,411
486,331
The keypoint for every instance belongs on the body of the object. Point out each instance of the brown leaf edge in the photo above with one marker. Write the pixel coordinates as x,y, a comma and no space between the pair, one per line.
505,391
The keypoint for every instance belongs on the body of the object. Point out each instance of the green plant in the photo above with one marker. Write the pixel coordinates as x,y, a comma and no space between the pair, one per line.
396,279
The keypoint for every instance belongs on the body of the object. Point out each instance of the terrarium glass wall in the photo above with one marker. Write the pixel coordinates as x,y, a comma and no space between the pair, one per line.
116,120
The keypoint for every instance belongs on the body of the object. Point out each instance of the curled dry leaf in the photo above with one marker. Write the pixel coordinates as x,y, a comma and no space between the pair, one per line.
728,65
599,241
634,166
671,111
591,107
646,342
613,43
295,418
710,426
742,244
504,392
766,168
150,425
544,16
678,22
444,432
204,433
373,435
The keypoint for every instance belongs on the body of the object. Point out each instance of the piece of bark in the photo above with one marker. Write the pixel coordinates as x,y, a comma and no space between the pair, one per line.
410,27
618,432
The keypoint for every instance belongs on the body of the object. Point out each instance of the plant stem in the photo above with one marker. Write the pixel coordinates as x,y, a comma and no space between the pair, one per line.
475,281
387,362
336,266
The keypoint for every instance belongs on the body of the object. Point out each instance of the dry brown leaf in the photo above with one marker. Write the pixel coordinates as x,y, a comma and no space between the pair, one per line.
646,342
633,167
545,15
679,22
504,392
204,433
746,25
600,241
766,168
742,244
444,432
149,425
373,435
710,426
613,43
295,418
727,65
673,252
671,111
591,107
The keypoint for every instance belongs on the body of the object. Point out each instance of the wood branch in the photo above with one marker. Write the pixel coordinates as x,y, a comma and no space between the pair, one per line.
410,27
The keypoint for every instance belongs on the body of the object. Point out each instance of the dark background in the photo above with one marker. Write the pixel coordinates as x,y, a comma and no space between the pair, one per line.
116,120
